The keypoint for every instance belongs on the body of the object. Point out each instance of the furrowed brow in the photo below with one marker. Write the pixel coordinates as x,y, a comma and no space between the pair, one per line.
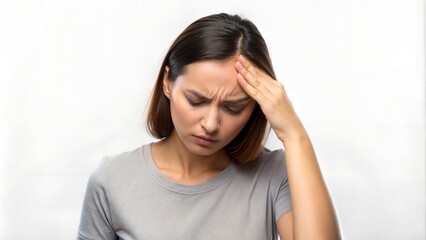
227,102
236,101
200,96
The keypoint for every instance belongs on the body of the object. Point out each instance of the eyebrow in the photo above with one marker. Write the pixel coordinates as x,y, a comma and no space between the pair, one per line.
230,102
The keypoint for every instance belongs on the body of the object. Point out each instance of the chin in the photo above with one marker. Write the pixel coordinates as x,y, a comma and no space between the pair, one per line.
201,150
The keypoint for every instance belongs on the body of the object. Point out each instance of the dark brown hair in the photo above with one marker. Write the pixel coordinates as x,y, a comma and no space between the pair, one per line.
215,37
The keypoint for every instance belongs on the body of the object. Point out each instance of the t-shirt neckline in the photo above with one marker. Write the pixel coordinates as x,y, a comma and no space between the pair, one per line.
206,186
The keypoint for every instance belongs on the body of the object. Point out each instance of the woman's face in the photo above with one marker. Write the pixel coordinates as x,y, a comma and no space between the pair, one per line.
208,106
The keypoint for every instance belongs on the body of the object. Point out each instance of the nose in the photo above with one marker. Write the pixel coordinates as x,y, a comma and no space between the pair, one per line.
210,121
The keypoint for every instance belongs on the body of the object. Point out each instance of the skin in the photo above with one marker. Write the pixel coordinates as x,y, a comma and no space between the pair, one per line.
312,215
210,85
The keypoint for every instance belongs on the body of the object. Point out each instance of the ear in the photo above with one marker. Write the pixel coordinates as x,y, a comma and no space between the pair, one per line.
166,83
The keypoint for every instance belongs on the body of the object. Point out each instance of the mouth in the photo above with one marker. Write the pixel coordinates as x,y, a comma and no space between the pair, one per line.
205,141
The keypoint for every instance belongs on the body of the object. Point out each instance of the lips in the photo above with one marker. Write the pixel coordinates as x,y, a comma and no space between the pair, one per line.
203,140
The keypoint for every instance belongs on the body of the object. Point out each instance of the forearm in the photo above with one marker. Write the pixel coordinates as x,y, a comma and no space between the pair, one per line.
313,212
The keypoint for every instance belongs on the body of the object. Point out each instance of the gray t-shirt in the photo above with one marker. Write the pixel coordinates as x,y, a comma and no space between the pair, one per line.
127,197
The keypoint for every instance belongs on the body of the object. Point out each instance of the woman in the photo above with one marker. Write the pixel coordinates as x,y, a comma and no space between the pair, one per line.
209,176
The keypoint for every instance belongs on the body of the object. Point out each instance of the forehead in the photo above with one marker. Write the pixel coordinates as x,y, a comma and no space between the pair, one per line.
213,78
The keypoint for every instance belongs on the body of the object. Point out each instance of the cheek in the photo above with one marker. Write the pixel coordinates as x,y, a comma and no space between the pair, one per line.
235,125
182,114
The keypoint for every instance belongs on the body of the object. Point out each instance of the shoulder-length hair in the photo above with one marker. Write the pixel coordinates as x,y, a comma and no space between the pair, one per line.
214,37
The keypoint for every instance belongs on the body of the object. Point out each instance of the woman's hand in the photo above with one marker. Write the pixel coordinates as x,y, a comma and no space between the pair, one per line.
312,215
271,97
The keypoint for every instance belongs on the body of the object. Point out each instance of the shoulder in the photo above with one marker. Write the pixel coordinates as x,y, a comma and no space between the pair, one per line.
269,164
113,165
274,162
277,155
271,159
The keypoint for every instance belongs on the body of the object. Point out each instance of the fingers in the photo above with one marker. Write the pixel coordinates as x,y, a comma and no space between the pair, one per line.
245,74
268,93
248,88
254,80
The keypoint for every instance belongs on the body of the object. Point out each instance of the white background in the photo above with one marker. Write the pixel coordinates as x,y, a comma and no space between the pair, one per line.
75,78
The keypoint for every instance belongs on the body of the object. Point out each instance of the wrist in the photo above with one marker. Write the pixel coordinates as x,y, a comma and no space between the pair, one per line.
295,135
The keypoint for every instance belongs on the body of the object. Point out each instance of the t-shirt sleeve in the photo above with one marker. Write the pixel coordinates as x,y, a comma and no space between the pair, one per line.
96,222
282,203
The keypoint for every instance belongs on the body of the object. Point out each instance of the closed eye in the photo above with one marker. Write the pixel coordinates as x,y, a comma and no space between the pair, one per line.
229,108
233,111
194,103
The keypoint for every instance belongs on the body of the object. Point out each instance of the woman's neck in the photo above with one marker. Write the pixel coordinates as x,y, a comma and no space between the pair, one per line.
177,163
